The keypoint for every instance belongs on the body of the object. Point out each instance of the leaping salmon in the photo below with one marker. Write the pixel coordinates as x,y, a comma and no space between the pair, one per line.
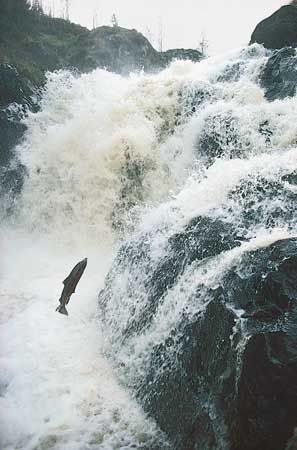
70,284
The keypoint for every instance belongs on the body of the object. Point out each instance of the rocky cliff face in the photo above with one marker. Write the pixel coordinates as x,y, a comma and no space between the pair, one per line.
279,30
35,43
122,51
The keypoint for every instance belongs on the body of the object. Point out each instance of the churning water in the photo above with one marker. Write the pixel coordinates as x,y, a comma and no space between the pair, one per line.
112,159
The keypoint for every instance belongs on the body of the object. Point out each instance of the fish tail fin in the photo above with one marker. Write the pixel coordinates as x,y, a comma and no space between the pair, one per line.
61,309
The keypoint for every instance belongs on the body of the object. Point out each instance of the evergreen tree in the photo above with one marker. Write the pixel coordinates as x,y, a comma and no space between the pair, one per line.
14,14
14,7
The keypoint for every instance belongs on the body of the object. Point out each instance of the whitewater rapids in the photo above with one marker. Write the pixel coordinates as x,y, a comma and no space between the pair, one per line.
56,389
105,157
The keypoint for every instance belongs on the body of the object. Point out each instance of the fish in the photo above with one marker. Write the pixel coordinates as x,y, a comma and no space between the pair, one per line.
70,284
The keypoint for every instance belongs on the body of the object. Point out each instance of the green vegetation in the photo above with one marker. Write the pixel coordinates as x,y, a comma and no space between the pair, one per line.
34,42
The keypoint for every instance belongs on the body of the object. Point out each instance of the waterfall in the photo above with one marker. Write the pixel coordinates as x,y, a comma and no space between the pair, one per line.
168,183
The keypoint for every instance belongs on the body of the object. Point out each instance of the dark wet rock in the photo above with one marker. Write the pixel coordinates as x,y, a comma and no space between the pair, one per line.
17,96
279,30
202,238
231,73
279,76
264,130
11,132
204,398
263,313
219,138
14,88
11,170
292,444
250,198
181,393
290,178
267,388
3,388
192,97
222,379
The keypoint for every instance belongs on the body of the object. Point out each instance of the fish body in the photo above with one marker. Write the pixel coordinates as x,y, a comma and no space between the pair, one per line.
70,284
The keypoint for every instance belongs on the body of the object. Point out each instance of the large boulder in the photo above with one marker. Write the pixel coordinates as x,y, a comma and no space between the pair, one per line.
224,378
226,390
279,30
115,48
219,138
122,51
279,76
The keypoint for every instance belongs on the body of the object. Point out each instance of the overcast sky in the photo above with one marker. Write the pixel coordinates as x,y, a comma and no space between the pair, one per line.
227,24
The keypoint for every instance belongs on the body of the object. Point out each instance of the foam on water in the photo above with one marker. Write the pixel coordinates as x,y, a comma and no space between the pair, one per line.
56,390
108,156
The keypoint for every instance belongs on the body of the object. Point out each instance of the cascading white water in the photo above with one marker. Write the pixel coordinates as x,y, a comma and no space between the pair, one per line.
107,156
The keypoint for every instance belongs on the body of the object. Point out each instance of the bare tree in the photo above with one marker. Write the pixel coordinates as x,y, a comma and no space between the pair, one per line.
114,20
53,8
50,10
64,11
37,6
203,44
95,20
161,36
149,34
67,9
